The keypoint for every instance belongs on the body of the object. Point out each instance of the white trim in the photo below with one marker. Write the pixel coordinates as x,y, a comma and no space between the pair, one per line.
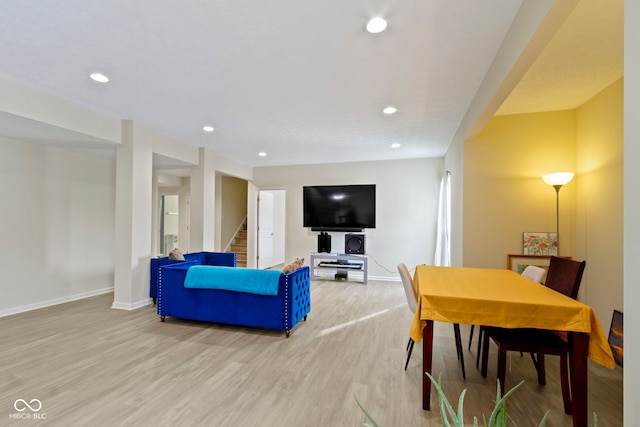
55,301
132,306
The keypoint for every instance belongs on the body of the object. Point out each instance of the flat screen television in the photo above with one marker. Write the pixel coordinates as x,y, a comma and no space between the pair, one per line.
339,207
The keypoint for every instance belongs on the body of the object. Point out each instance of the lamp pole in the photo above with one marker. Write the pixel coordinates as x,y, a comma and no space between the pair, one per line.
558,187
557,180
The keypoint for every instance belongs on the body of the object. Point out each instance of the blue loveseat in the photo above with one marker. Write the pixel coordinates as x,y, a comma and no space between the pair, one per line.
205,258
282,311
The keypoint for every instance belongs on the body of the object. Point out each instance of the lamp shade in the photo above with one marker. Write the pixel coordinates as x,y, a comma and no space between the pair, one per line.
558,178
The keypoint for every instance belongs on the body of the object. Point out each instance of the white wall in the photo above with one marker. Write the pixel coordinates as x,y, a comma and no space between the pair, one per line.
631,211
57,228
406,199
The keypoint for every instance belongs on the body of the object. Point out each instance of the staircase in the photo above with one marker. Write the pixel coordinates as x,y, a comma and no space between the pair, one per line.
239,246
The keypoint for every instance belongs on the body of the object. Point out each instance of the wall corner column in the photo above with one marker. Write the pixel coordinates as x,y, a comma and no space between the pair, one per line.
134,172
202,203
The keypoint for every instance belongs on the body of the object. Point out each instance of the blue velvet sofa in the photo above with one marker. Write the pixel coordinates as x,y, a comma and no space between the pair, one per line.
204,258
282,311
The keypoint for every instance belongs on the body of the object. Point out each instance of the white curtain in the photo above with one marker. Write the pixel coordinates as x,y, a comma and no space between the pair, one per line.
443,238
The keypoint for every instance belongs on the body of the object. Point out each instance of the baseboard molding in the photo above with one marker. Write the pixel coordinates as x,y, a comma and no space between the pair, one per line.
131,306
384,278
55,301
329,276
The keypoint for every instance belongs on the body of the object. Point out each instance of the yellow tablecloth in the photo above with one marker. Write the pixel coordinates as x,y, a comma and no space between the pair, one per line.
503,298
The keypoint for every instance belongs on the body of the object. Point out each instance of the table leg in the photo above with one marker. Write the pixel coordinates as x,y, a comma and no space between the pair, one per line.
427,358
579,350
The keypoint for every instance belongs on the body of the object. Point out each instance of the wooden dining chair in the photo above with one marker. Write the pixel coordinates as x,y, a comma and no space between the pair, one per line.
532,272
564,276
411,293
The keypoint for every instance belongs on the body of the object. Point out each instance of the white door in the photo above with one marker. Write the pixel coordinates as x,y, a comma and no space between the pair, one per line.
265,230
279,226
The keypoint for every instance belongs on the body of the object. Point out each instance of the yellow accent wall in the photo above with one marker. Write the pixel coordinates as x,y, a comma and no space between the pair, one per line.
505,196
599,199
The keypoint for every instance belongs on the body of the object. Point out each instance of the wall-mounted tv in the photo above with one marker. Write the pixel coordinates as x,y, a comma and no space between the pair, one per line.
339,207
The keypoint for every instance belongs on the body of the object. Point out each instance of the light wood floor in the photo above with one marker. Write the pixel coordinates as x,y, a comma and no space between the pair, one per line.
91,365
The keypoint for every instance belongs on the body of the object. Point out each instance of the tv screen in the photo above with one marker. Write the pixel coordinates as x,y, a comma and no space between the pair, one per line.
339,207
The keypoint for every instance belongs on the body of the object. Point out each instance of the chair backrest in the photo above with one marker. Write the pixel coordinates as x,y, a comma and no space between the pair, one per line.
409,289
565,276
534,273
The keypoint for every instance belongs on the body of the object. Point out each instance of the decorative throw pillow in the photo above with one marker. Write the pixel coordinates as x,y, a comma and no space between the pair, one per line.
176,254
299,262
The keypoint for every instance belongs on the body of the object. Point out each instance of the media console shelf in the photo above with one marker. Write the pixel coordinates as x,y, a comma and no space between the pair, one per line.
342,264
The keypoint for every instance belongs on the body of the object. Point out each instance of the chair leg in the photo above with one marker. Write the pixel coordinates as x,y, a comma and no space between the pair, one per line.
542,376
502,368
485,355
456,330
564,382
410,347
408,344
471,339
480,335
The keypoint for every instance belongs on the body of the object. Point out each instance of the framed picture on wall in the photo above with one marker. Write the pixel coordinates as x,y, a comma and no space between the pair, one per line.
518,263
539,243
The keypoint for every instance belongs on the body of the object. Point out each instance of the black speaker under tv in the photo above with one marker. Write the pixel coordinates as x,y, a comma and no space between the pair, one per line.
339,207
354,243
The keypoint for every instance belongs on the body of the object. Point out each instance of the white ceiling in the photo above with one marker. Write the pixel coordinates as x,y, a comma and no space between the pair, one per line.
299,80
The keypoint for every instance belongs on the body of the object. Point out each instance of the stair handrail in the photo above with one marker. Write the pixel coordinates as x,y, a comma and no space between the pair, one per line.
240,228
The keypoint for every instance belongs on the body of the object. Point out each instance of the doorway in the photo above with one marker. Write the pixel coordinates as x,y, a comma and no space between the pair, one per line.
169,223
271,228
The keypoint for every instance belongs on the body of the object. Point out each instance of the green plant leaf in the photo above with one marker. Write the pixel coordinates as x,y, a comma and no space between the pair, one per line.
499,416
367,416
543,421
445,406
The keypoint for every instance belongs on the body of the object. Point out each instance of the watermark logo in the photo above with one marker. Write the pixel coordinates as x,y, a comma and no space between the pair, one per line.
30,410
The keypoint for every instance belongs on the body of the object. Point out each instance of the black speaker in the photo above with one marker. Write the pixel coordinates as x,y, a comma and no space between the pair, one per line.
324,242
354,244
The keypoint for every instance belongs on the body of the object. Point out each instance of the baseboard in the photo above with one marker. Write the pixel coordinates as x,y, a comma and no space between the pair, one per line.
55,301
131,306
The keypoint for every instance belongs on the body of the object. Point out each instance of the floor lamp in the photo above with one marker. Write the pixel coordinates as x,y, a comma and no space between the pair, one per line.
557,180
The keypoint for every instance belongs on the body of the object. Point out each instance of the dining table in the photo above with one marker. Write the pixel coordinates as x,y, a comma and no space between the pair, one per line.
503,298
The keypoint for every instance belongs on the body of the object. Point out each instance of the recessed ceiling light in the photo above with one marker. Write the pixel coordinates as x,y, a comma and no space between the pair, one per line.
262,154
207,128
99,77
396,145
390,110
376,25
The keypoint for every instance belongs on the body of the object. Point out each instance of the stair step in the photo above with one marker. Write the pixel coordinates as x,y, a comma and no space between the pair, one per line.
239,247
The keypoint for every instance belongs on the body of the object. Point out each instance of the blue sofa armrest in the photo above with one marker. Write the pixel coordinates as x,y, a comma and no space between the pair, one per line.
298,284
223,259
155,265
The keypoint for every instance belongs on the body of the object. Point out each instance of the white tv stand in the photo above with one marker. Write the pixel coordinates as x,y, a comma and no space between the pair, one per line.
342,264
